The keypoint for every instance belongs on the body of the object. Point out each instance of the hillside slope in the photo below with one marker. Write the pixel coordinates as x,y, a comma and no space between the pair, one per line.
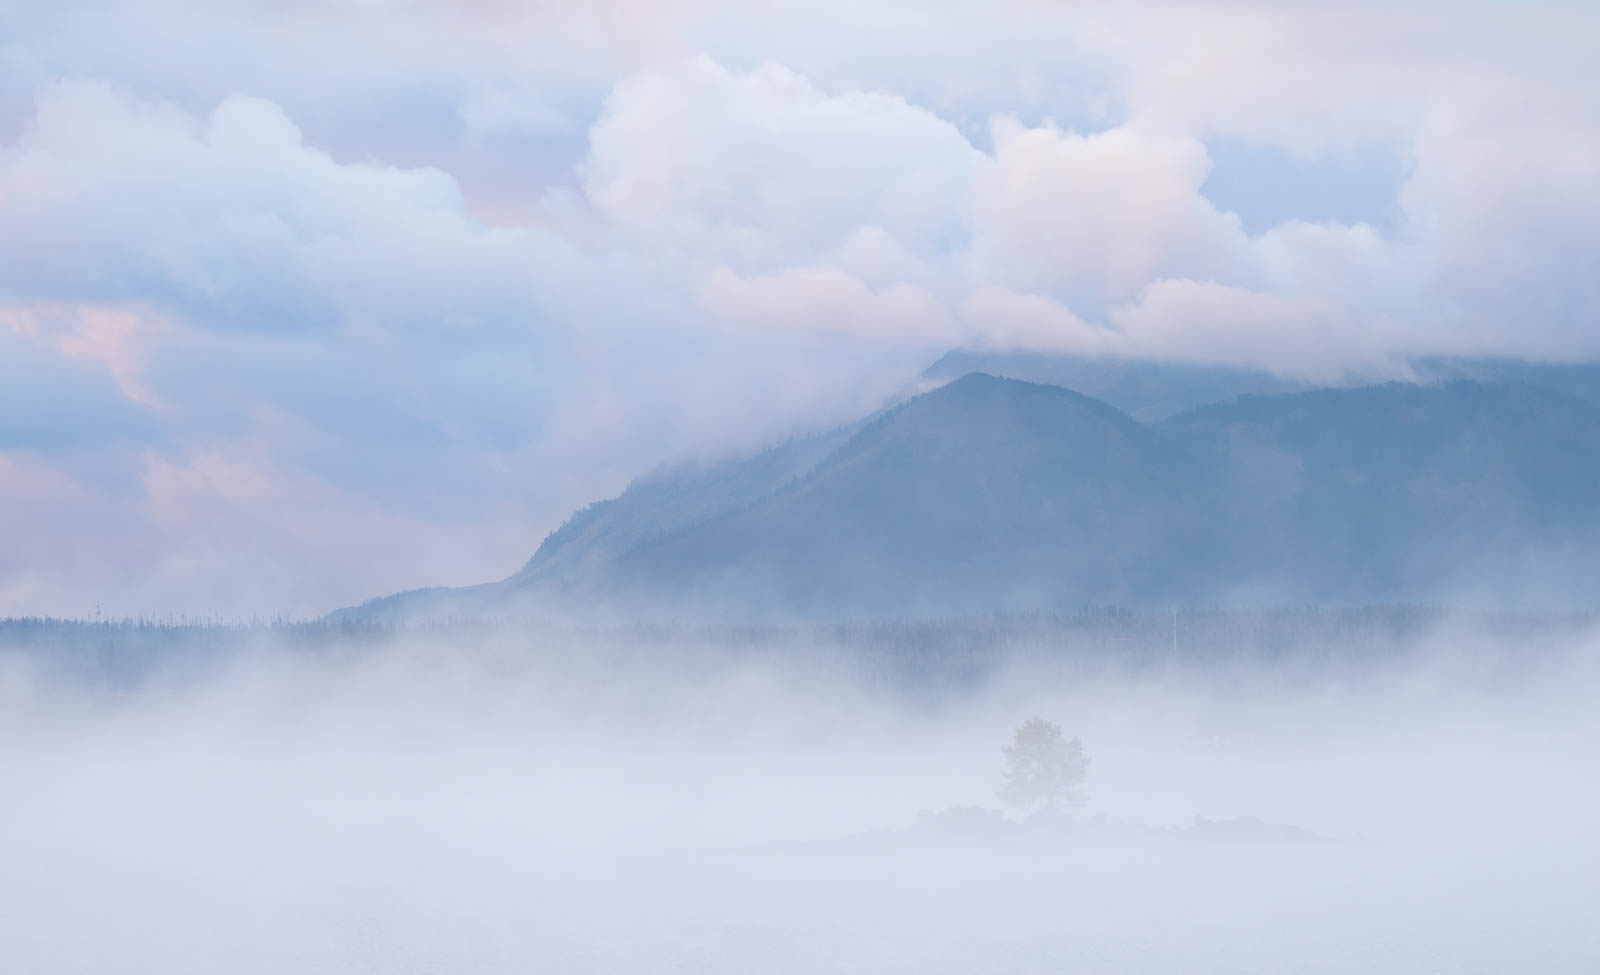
997,495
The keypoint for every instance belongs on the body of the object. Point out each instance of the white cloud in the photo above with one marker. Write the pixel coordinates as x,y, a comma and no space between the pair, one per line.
390,362
1504,207
256,240
1004,319
1304,336
765,168
230,216
1094,217
825,299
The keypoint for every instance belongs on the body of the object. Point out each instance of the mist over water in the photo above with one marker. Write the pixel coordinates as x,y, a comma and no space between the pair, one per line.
497,799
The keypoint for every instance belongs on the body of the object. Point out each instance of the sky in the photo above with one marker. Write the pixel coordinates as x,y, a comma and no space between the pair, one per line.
304,303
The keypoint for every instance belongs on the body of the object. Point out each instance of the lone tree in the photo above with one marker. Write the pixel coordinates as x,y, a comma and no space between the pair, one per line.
1042,766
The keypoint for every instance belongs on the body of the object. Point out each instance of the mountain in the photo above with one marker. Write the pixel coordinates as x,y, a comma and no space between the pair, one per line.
1151,390
983,473
1484,493
1145,389
998,495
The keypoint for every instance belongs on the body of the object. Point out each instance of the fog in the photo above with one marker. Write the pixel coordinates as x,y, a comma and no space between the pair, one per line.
514,799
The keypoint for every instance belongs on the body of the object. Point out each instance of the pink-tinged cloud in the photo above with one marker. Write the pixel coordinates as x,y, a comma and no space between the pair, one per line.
1099,215
377,265
826,300
1003,319
1304,336
114,336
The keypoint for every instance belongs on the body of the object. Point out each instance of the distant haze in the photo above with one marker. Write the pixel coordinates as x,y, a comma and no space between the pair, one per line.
1404,793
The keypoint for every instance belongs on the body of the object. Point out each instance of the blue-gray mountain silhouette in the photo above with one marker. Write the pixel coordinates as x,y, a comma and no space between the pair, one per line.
1152,390
998,495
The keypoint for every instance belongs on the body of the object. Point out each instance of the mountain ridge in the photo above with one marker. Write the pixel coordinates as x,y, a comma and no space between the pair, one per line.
998,495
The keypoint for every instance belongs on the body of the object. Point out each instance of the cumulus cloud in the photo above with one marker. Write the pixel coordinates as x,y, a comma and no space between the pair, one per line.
826,298
228,216
1303,336
1181,319
388,360
1505,205
489,262
1096,216
1004,319
765,168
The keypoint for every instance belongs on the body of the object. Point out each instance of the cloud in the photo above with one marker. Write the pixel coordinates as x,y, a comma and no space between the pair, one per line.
1505,208
1305,337
1094,217
828,300
1199,321
765,168
1004,319
67,394
456,266
387,360
229,217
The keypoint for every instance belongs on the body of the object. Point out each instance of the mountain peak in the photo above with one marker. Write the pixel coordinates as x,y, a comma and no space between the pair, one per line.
997,494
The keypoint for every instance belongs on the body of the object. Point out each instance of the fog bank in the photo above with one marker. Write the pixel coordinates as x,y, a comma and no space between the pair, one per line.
487,799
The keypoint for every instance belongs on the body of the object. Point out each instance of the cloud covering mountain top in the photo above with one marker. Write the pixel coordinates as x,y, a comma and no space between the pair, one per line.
993,495
298,303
